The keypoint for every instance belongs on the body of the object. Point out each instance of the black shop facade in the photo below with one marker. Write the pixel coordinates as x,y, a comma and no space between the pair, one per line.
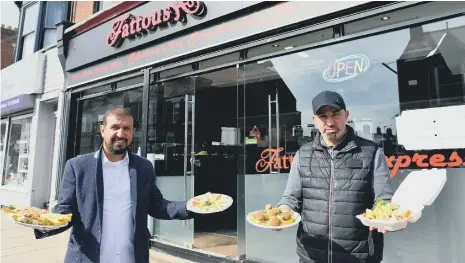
221,96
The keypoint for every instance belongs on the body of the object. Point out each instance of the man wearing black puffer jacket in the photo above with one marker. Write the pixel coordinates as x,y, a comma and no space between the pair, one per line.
332,179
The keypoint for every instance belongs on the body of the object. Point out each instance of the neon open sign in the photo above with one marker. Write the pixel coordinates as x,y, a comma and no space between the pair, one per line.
346,68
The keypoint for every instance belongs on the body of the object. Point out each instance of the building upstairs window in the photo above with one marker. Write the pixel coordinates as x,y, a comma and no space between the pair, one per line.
37,27
29,28
104,5
55,13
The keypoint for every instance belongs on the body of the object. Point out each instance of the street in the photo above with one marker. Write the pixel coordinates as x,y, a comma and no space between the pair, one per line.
19,245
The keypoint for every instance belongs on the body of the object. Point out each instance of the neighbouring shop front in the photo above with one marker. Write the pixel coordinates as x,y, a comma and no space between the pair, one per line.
222,101
28,117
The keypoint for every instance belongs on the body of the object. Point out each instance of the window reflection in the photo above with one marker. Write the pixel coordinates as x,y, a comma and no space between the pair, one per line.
405,90
93,111
421,68
17,158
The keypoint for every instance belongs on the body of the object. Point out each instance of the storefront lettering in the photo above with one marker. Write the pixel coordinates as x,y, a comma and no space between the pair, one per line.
269,158
129,26
193,41
346,68
423,161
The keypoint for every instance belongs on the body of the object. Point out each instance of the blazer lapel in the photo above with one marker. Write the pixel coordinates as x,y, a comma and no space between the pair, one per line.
133,181
99,184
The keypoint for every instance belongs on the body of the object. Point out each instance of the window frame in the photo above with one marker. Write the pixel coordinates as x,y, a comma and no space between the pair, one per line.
9,121
98,6
43,20
22,18
39,28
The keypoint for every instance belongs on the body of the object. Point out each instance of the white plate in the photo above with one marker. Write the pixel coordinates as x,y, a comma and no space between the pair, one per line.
38,227
295,215
227,199
393,225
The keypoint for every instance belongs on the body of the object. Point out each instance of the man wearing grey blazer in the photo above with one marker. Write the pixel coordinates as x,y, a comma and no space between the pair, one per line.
109,194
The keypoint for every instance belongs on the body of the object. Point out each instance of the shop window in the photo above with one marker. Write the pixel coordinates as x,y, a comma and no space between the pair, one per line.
404,90
94,109
290,43
220,60
3,136
129,82
399,16
171,73
17,152
100,89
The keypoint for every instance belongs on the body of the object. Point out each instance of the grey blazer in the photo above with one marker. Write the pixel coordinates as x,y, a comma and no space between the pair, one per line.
81,193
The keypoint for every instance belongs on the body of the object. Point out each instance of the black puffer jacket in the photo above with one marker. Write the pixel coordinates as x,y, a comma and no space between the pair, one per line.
329,187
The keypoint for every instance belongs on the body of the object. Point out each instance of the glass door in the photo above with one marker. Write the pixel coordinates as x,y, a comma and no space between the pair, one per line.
196,146
171,149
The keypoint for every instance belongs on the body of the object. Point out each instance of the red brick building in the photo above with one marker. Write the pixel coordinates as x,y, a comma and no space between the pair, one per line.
8,43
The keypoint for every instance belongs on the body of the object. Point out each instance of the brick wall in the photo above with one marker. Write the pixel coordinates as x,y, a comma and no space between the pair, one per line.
84,9
8,40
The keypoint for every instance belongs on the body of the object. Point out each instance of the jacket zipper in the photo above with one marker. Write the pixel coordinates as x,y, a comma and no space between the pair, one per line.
330,212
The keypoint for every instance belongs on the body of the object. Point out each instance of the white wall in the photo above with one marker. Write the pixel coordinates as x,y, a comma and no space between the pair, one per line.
22,77
43,130
53,73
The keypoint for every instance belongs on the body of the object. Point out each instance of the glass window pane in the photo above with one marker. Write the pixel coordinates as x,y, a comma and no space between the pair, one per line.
3,143
403,15
50,37
290,43
16,170
30,19
419,72
97,90
108,4
129,82
170,73
28,45
55,13
220,60
93,111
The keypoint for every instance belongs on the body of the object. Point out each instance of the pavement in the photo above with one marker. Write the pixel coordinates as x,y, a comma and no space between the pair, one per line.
18,245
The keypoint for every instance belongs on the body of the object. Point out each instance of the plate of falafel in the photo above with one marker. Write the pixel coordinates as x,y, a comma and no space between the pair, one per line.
273,218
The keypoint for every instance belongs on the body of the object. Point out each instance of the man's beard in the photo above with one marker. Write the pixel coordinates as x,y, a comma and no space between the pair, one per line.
120,149
334,137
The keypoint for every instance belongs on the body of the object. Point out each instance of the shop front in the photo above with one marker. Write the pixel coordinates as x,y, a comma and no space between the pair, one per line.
224,103
28,107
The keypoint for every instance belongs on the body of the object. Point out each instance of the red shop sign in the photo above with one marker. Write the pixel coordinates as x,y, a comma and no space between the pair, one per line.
269,158
129,26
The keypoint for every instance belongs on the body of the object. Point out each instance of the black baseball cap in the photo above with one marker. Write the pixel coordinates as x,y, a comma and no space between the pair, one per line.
328,98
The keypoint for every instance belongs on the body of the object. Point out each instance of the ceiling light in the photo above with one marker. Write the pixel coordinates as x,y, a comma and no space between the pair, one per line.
384,18
275,45
289,47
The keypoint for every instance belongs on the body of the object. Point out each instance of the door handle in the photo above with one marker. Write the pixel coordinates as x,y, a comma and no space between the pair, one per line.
276,102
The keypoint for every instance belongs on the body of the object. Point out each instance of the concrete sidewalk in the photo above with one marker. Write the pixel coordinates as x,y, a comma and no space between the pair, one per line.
18,245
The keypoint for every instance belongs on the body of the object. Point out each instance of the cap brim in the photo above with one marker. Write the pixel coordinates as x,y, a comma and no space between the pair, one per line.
337,107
